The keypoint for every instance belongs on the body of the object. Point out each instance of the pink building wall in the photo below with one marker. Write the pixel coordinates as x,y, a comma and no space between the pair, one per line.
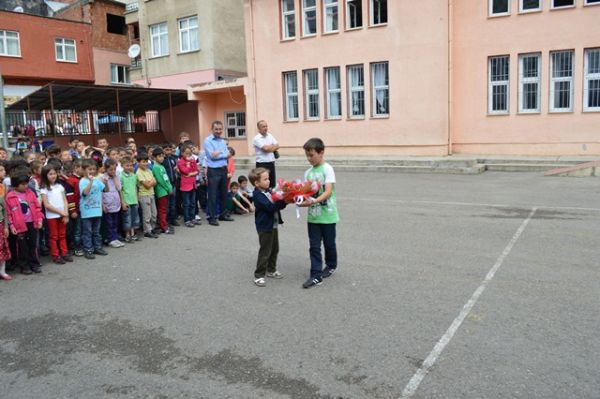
414,42
477,36
102,62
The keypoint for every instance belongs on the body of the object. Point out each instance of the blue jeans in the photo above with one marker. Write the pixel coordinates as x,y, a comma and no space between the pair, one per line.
189,204
74,233
172,213
217,191
112,225
318,233
131,218
91,233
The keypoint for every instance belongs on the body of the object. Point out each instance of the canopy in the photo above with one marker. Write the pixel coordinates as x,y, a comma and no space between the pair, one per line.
79,97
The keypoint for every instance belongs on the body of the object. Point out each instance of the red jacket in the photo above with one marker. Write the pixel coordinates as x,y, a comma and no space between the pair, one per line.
74,182
16,218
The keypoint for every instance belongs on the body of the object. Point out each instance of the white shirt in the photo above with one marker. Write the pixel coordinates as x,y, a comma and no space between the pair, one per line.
55,198
259,142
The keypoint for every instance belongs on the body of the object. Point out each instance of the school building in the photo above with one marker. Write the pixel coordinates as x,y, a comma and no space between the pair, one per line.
416,77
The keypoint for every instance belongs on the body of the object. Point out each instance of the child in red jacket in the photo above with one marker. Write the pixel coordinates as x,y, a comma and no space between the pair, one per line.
25,219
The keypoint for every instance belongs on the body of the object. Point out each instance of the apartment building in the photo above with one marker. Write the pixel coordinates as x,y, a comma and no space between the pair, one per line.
419,77
186,42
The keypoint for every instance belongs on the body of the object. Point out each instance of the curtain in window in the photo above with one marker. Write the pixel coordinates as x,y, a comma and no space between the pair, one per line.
335,95
291,85
380,82
12,43
357,91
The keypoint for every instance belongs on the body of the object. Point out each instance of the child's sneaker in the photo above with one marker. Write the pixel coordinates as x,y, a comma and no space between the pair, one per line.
135,237
312,282
276,274
58,260
89,255
5,276
67,258
327,272
260,282
79,252
128,240
100,251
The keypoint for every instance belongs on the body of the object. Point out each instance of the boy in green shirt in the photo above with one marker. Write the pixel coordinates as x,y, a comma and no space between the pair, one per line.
129,200
322,214
163,189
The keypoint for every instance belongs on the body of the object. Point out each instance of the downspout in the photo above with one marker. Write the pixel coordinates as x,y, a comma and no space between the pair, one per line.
253,62
450,76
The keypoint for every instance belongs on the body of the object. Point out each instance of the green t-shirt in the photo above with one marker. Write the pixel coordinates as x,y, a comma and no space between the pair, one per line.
325,212
163,185
129,188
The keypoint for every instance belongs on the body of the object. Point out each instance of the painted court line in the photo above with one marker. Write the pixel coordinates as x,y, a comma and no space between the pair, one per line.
417,378
458,203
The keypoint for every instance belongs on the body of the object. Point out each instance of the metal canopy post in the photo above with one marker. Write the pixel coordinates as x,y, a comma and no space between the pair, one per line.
170,114
118,118
3,115
52,123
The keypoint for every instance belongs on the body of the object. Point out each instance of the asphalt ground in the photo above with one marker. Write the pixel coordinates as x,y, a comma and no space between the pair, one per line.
448,286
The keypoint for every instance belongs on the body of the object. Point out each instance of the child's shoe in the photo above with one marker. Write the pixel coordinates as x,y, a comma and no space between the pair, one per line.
68,258
100,251
36,269
79,252
89,255
276,274
58,260
260,282
26,271
116,244
312,282
128,240
6,277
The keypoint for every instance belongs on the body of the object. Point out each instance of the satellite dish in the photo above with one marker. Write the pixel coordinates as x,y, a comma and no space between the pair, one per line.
134,50
18,9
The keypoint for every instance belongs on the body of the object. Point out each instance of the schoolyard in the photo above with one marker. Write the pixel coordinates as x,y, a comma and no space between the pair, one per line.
449,286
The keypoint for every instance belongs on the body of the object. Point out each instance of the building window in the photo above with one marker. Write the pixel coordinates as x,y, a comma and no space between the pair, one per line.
288,19
562,3
529,83
381,89
290,82
116,24
159,39
311,94
499,7
331,13
353,14
65,50
119,74
530,5
591,88
356,91
378,12
309,17
9,43
235,124
591,2
498,85
561,81
334,93
188,34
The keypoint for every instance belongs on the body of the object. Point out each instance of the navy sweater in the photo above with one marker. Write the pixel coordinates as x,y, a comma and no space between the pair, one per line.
264,217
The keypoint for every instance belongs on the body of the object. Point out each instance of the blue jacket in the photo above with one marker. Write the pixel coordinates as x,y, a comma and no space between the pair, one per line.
264,216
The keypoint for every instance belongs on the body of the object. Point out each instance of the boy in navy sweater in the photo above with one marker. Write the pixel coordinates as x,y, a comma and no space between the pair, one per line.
266,221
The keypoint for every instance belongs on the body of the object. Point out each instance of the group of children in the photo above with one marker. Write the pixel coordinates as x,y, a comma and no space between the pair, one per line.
68,200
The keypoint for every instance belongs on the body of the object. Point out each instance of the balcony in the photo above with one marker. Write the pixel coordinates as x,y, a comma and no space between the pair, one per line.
131,7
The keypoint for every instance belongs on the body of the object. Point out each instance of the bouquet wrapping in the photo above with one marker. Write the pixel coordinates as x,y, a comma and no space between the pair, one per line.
296,191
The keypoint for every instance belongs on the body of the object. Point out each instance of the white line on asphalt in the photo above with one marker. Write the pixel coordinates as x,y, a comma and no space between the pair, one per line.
565,208
416,379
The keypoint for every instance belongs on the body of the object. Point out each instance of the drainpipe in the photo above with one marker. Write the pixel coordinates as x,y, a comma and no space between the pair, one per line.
3,115
450,79
253,82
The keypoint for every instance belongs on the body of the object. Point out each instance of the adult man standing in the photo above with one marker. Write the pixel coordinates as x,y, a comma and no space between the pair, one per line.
216,161
265,145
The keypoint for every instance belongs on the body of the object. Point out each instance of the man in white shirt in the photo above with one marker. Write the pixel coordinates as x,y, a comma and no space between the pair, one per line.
265,145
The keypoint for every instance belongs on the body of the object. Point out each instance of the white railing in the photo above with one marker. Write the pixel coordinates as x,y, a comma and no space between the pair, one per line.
130,7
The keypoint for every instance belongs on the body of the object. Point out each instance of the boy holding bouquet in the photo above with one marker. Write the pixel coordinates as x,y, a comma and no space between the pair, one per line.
322,214
266,221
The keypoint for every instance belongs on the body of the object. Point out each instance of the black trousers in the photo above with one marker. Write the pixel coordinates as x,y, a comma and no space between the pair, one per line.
217,191
267,254
271,167
27,248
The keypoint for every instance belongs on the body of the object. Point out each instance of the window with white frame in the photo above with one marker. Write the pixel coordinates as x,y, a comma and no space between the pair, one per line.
235,124
591,88
311,94
499,7
356,91
591,2
188,34
119,74
529,83
330,16
159,39
290,83
530,5
562,3
9,43
288,19
561,81
65,50
378,12
353,14
380,89
333,101
498,85
309,17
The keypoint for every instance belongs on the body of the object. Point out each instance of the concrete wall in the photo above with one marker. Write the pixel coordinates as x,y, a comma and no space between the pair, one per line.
414,42
37,62
477,36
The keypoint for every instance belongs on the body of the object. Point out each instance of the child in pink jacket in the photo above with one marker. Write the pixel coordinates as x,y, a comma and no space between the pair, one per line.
188,170
25,219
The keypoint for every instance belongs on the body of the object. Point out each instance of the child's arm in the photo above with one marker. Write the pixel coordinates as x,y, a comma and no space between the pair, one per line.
49,206
88,188
262,203
239,205
65,213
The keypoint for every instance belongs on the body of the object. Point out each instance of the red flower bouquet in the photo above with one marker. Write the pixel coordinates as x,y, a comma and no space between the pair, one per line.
296,191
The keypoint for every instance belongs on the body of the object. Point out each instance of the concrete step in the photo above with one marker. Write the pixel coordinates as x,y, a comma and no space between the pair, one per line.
523,167
586,169
386,168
